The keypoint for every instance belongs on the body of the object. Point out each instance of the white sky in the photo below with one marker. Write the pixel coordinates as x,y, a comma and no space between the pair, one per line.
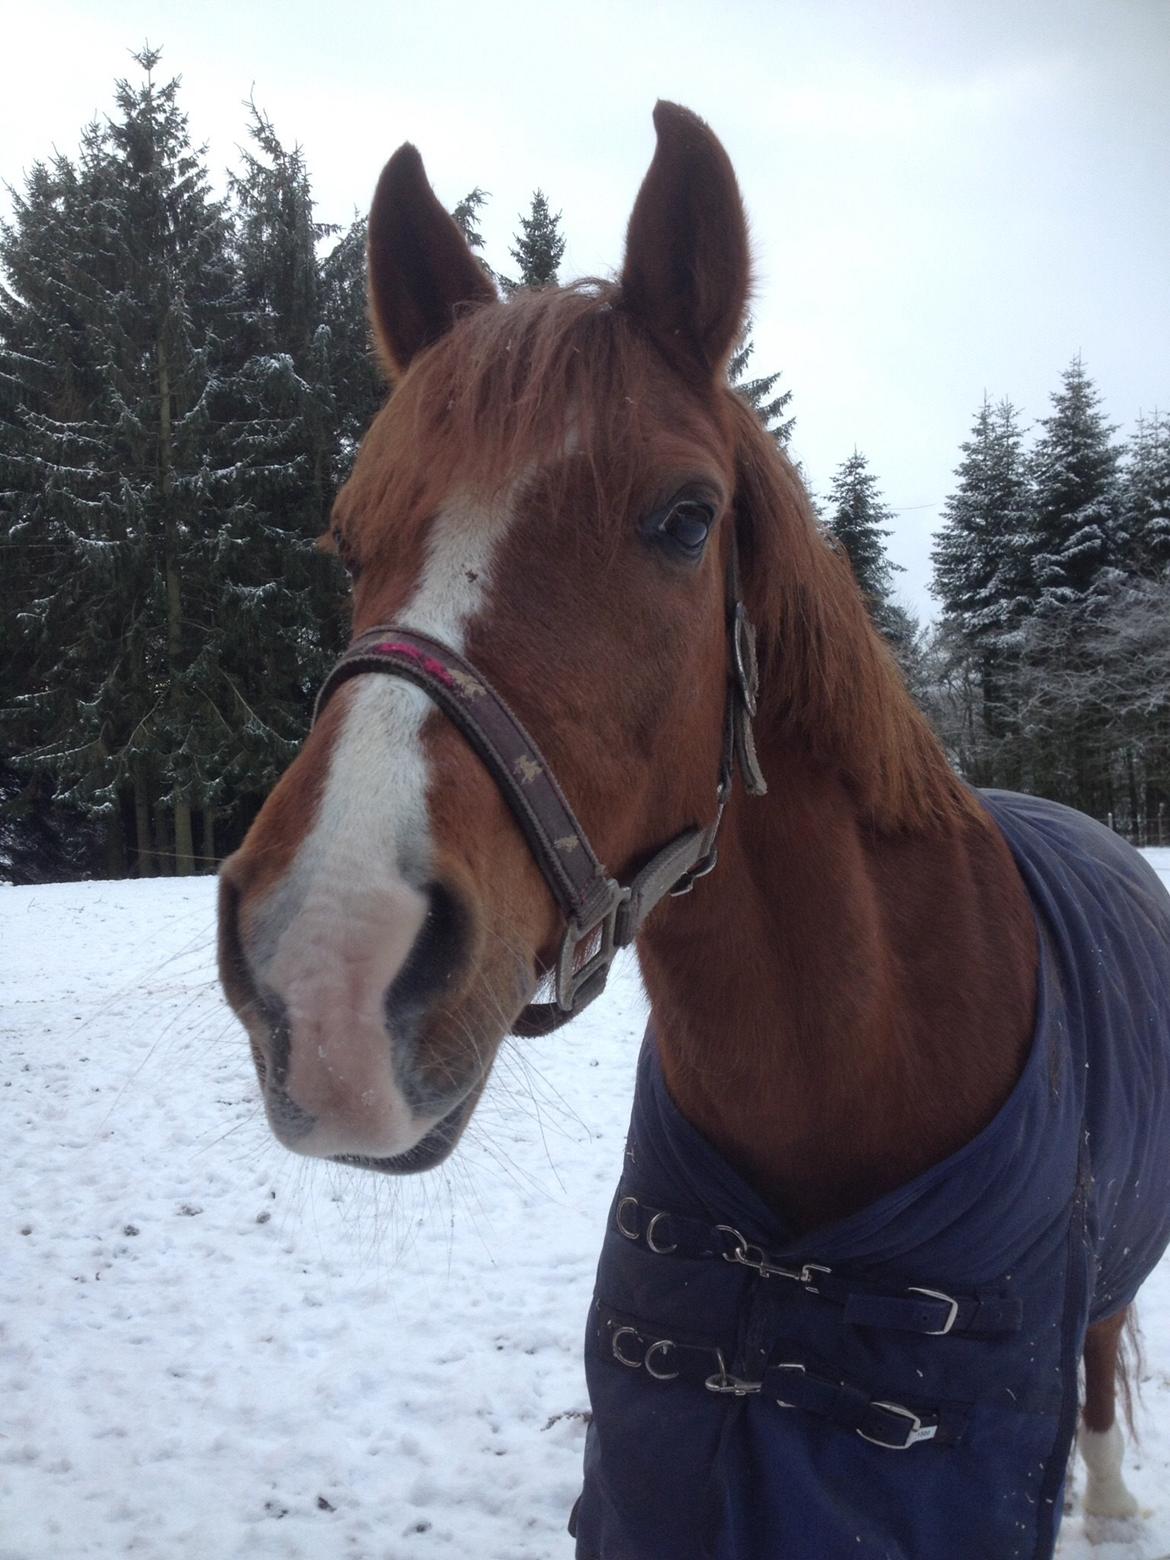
946,196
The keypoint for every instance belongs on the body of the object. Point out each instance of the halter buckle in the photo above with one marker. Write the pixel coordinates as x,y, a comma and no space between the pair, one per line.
577,987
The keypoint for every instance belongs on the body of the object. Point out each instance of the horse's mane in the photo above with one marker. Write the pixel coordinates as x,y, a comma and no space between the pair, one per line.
827,674
512,387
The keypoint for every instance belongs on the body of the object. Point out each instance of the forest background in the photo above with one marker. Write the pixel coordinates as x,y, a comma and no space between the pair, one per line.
184,379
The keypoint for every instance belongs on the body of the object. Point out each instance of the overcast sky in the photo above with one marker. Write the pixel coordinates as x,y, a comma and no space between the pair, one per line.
946,196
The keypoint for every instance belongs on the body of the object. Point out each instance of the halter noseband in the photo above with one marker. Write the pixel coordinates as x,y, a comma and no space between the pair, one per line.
592,903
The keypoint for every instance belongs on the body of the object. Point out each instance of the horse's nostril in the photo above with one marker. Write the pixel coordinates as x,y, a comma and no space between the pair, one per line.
263,1013
434,963
234,972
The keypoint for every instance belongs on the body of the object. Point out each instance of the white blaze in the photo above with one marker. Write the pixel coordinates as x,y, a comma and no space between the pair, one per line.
344,920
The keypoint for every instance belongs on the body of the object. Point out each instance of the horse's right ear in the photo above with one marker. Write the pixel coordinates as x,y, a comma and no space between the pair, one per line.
687,267
421,270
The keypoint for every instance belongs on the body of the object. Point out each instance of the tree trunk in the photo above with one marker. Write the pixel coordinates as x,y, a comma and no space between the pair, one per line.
163,845
184,841
115,845
210,858
1134,800
144,863
184,854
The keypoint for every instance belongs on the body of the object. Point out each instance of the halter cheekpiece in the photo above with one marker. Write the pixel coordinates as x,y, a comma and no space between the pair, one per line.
596,907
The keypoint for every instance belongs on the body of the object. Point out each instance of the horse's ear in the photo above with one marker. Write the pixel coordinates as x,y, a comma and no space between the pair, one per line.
687,271
421,269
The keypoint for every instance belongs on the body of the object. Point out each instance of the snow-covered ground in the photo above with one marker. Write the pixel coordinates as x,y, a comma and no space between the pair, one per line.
211,1350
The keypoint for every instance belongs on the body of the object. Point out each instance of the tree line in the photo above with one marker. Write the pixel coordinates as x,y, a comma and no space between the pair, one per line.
1049,671
184,379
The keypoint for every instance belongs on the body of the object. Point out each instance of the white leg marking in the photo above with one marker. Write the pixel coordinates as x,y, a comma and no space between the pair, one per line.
1106,1494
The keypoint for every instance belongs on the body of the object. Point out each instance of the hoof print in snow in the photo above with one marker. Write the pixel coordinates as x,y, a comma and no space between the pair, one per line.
325,1505
130,1229
273,1508
263,1217
189,1210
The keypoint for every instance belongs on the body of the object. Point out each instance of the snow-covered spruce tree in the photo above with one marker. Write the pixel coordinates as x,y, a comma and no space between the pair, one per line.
760,394
268,620
1076,533
49,379
858,519
1145,495
116,474
466,218
980,557
538,246
357,385
1077,553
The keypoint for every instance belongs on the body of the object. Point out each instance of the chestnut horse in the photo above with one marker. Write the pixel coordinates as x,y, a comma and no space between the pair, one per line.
554,514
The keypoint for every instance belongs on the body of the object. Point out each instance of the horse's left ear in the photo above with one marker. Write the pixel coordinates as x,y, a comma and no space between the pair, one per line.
421,270
687,271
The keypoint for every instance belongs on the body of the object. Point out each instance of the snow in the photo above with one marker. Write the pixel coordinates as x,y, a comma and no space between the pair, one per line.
214,1350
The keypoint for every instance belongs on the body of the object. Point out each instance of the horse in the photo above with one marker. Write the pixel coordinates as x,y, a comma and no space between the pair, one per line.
900,1145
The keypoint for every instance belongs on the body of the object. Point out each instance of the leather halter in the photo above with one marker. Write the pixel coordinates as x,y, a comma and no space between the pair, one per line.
594,904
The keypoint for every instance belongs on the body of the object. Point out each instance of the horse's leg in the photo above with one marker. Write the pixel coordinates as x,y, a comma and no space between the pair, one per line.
1101,1441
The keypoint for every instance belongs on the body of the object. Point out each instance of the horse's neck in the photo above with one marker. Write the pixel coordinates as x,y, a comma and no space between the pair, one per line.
837,1011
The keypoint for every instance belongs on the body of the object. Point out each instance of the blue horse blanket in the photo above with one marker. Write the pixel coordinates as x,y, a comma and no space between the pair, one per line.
901,1385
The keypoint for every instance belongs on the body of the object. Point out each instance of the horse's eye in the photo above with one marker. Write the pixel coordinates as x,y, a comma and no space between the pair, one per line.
686,524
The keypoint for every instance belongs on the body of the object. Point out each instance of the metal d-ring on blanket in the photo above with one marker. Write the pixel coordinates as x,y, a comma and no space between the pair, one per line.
623,1204
615,1346
647,1360
660,1375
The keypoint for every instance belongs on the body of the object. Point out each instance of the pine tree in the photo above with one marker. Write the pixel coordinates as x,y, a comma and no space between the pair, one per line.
270,620
1146,495
539,247
357,384
857,519
466,216
49,375
112,466
980,551
981,557
1074,467
758,393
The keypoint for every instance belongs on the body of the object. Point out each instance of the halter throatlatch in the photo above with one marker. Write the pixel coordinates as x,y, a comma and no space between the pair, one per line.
596,907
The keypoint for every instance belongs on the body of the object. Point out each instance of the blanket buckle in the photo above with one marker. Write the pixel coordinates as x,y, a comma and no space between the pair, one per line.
937,1294
917,1431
